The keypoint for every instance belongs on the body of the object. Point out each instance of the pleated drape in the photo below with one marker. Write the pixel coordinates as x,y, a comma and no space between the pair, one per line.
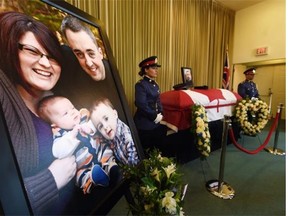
189,33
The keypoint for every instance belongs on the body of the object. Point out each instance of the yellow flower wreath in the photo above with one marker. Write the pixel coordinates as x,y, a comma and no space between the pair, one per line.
201,129
252,115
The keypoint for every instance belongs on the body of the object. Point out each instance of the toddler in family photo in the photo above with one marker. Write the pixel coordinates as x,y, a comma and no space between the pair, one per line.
105,119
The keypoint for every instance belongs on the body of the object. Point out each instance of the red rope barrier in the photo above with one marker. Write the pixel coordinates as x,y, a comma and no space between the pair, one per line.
261,147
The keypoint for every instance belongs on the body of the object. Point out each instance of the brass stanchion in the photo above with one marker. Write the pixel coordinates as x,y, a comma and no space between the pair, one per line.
274,150
218,187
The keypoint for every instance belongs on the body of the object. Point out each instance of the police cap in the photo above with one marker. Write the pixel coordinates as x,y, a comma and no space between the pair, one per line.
250,71
149,62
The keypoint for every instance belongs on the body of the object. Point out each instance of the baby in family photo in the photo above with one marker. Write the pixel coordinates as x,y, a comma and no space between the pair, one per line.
73,133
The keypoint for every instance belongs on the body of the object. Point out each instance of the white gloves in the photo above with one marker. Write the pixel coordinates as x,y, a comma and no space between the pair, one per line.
254,99
158,118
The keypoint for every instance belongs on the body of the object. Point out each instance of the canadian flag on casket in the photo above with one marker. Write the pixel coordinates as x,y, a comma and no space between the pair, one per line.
177,105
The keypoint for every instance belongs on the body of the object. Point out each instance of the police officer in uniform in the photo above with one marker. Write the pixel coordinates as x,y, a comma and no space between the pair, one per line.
149,108
247,88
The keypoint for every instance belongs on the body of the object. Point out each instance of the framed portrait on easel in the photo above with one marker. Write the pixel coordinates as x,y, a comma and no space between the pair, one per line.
87,90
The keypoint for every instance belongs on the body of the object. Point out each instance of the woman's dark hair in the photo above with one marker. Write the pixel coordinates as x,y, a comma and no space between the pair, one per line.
142,71
13,25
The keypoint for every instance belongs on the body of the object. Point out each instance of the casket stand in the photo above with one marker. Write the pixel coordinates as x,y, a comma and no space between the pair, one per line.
180,142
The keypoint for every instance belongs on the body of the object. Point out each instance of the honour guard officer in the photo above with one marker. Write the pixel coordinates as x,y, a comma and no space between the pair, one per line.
247,88
149,108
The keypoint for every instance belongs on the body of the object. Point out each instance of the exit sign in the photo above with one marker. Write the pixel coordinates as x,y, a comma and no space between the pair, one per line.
262,51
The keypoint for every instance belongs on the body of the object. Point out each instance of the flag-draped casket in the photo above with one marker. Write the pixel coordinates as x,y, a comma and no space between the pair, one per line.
177,105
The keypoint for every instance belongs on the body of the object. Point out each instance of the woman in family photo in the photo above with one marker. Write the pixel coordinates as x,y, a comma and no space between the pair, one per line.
30,62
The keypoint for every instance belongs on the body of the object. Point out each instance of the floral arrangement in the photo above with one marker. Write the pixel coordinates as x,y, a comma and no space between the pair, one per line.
201,129
156,186
252,115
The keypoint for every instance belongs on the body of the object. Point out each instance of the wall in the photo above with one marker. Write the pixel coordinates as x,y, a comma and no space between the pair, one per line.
260,25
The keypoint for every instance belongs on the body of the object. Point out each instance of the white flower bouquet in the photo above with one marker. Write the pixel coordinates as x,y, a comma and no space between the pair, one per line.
156,186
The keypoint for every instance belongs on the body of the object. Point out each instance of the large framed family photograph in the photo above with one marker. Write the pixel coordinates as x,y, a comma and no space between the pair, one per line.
65,123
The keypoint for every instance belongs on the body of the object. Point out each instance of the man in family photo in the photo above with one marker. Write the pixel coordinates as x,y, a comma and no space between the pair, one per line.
86,74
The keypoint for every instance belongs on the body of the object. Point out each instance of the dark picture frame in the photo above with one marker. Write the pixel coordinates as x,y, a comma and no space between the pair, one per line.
14,199
186,73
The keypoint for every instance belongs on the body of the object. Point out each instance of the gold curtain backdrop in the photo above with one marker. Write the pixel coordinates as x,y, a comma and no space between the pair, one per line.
189,33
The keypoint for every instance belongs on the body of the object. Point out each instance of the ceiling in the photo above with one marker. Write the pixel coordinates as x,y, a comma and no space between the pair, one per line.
238,4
